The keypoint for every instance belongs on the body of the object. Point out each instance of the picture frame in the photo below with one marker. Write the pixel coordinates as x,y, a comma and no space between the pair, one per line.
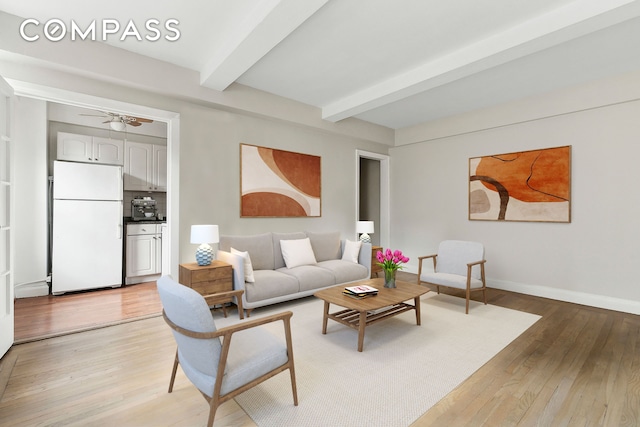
532,185
279,183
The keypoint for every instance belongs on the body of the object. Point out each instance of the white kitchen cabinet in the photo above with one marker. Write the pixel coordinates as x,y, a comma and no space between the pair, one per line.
145,167
143,252
90,149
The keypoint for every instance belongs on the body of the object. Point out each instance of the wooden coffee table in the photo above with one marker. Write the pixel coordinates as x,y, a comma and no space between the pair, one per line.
359,313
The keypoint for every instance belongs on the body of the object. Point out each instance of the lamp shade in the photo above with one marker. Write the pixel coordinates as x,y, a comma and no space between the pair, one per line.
204,234
364,227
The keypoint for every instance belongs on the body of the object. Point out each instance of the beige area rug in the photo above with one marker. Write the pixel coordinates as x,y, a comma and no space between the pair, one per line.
403,371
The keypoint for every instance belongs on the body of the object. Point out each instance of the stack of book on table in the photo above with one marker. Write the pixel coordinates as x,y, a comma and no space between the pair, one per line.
360,291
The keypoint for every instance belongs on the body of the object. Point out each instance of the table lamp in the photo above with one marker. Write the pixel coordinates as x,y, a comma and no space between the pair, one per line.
364,227
204,234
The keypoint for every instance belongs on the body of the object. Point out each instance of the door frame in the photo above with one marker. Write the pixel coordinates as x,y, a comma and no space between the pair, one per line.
7,93
384,228
171,118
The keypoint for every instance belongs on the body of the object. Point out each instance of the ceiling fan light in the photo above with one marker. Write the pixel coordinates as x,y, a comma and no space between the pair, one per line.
117,125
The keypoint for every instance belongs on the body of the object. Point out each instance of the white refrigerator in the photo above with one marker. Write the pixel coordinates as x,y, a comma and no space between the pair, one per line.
87,227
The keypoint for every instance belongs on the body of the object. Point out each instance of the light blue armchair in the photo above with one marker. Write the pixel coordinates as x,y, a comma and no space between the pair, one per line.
222,368
458,264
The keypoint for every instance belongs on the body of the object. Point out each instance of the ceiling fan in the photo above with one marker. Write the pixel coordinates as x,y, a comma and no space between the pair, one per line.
119,122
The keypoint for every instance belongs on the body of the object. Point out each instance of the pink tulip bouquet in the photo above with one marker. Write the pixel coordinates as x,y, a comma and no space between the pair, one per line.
391,261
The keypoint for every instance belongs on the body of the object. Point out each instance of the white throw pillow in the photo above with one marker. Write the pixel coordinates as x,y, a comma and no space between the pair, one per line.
351,251
297,252
248,268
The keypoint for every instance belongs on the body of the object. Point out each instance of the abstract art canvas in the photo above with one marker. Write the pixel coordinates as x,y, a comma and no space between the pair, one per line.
278,183
524,186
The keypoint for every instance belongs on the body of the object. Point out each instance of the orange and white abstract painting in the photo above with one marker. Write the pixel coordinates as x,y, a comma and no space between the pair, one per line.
278,183
524,186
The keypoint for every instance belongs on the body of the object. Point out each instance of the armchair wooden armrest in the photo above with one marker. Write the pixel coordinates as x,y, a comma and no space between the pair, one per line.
227,331
221,297
421,258
470,266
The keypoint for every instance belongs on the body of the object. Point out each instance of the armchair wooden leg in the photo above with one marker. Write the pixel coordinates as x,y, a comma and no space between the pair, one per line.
173,372
468,296
213,407
294,389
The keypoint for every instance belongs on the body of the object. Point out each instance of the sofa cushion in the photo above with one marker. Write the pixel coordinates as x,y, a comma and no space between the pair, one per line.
259,246
276,250
270,284
248,267
310,277
345,271
351,251
325,245
451,280
297,252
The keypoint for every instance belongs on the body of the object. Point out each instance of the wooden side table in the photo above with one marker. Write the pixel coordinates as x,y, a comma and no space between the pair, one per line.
214,282
375,268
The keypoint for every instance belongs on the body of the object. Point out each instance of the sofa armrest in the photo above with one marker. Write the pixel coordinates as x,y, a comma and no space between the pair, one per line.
364,257
237,262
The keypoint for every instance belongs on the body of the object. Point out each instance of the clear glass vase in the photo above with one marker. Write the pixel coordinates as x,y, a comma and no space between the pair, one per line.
389,278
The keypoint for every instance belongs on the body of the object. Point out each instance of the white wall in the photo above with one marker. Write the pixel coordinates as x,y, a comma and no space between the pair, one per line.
210,172
31,186
208,160
592,260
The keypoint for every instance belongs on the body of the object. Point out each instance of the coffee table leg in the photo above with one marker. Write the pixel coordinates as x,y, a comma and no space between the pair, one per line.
325,317
416,302
361,325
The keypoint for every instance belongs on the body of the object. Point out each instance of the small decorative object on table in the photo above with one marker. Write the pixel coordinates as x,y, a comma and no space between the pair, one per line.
390,263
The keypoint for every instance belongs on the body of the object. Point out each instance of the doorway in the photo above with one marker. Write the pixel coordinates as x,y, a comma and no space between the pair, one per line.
172,119
372,194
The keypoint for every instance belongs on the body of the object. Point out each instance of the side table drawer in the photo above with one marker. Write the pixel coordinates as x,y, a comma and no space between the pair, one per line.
210,279
211,275
213,286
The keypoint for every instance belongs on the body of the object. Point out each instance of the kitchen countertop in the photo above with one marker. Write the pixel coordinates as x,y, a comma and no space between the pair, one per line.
129,220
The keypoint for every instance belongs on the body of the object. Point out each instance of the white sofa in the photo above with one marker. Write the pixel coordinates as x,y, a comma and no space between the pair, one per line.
274,282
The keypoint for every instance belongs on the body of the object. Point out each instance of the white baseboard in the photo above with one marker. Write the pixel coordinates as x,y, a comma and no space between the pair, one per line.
140,279
583,298
32,290
592,300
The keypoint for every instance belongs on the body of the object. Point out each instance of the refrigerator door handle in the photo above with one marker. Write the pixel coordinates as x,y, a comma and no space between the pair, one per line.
120,222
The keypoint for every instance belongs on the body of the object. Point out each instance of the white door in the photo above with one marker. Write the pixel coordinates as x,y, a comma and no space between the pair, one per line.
6,220
160,167
138,164
108,151
142,255
87,245
86,181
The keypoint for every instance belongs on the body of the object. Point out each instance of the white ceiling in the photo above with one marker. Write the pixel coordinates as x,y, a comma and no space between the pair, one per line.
396,63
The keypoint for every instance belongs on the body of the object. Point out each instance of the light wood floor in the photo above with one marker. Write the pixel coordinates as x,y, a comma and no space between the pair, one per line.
576,366
49,316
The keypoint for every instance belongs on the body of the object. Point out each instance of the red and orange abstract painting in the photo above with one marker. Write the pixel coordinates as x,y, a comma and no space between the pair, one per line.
524,186
278,183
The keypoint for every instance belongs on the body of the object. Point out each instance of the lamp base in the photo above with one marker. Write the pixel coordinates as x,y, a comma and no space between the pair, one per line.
204,254
365,238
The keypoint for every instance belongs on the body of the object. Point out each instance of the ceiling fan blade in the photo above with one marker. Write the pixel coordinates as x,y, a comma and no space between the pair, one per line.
143,120
134,123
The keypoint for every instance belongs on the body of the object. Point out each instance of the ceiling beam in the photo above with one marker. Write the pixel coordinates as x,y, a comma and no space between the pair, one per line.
563,24
270,22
